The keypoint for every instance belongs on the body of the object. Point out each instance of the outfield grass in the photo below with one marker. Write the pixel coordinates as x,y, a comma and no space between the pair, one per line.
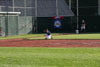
55,36
22,36
49,57
72,36
79,36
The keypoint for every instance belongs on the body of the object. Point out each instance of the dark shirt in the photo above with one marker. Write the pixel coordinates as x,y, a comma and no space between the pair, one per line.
48,33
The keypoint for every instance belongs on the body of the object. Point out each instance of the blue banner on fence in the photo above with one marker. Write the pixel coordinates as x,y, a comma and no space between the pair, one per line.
57,23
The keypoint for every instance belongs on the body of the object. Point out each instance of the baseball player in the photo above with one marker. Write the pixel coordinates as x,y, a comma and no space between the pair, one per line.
83,26
48,34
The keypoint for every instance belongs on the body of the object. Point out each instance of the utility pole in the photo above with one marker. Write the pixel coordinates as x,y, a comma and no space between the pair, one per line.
36,23
77,16
6,20
57,8
70,4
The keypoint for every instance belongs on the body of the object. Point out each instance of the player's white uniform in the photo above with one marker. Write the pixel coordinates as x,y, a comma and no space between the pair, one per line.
83,27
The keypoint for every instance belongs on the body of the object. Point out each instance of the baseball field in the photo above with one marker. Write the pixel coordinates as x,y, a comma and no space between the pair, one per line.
64,50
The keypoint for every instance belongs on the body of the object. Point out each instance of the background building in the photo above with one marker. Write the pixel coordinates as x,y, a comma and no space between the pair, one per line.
36,15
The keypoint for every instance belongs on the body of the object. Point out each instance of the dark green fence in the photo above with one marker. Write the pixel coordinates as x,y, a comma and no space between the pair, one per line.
48,22
92,23
16,25
69,24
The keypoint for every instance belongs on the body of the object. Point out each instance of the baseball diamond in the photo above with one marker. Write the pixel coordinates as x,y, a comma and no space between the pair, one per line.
49,33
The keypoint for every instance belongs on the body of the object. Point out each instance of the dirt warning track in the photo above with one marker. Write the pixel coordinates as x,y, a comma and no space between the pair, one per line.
49,43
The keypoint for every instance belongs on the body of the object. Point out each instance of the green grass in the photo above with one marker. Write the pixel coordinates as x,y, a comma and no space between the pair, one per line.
79,36
49,57
72,36
55,36
22,36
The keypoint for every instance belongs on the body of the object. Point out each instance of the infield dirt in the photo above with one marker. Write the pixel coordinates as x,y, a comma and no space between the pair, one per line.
49,43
